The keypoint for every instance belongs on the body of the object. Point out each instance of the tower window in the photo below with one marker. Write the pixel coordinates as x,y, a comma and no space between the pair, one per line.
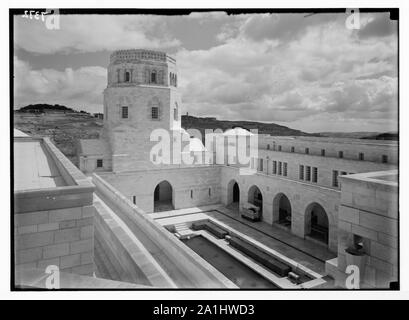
279,148
340,154
274,167
153,77
124,112
100,163
384,158
279,168
314,174
284,169
301,172
268,146
361,156
335,178
323,152
307,150
191,194
292,149
127,76
155,113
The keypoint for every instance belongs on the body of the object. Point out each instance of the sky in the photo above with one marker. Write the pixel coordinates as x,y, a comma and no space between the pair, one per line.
307,72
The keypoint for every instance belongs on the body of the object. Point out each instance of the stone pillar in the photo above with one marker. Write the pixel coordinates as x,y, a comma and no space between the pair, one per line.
297,222
268,210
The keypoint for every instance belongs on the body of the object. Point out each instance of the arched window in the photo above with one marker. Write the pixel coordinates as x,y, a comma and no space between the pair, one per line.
153,77
127,76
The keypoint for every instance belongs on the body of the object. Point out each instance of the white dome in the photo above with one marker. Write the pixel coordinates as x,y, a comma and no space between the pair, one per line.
237,131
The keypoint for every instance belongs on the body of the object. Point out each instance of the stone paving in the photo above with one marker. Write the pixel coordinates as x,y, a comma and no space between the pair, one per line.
313,249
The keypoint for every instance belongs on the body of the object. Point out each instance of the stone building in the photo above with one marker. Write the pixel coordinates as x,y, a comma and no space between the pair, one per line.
300,183
54,211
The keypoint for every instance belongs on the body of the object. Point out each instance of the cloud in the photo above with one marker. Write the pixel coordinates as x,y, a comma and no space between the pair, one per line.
379,26
90,33
80,89
323,71
310,73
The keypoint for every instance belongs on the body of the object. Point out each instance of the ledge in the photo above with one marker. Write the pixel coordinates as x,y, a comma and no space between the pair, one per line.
76,191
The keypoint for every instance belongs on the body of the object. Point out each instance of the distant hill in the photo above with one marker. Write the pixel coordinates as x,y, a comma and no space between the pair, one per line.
348,135
191,122
384,136
44,107
362,135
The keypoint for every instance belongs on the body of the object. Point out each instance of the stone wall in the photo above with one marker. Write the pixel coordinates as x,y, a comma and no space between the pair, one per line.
61,237
197,186
369,209
325,166
179,258
372,150
130,138
54,226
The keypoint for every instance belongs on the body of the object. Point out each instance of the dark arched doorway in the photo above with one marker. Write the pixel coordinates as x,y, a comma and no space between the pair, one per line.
233,195
236,193
163,197
255,197
282,210
316,223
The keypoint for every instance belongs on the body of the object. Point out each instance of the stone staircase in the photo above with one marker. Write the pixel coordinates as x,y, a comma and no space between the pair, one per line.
182,230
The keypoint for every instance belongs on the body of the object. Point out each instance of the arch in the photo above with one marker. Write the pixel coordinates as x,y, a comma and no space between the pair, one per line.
233,192
317,223
255,197
127,76
163,197
282,210
154,77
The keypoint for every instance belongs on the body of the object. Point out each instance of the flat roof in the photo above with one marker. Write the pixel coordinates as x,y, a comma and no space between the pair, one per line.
34,168
19,133
389,143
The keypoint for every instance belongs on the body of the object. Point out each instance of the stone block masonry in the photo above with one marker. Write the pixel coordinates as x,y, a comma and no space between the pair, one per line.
61,237
362,219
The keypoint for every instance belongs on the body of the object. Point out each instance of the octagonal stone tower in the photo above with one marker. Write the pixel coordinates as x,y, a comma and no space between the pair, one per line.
141,96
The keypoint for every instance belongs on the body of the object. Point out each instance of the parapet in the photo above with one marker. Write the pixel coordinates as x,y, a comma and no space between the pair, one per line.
134,55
